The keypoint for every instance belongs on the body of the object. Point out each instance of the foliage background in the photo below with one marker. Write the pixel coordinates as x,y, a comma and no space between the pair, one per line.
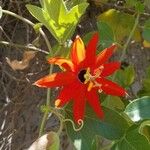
19,100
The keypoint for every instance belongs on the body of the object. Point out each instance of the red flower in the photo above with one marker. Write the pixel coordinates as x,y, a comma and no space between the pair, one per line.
83,77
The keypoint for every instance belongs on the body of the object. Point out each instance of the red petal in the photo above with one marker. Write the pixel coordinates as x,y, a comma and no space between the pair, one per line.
111,88
67,64
93,100
91,50
105,55
64,97
66,94
79,104
78,51
110,68
56,79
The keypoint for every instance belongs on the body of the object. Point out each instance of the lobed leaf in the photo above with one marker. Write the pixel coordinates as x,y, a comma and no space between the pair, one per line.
118,22
132,140
138,109
112,127
125,77
106,34
61,22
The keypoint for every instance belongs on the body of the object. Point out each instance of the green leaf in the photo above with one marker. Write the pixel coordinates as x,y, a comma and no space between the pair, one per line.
125,77
72,3
148,72
0,12
121,24
113,102
54,140
139,7
146,88
42,16
60,22
112,127
146,84
139,109
132,140
95,143
106,34
145,129
146,31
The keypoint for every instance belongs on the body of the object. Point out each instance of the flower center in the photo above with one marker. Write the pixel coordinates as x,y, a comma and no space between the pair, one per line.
91,79
81,75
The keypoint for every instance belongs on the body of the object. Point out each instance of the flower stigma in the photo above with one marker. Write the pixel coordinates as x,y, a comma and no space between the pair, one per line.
86,77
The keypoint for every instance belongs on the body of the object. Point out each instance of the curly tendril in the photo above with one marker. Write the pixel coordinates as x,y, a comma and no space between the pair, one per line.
80,122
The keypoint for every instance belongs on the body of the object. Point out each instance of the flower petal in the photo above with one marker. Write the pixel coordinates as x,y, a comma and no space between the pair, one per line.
67,64
110,68
91,50
56,79
78,51
79,103
66,94
93,100
111,88
105,55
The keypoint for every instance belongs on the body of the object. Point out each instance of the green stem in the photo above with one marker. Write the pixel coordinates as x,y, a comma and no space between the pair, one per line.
48,105
45,116
130,37
128,41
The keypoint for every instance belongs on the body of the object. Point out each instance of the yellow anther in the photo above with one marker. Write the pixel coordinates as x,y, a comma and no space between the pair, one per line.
90,86
57,102
87,76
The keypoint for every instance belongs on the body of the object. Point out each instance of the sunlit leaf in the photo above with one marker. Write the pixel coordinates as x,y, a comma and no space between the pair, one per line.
48,141
112,127
61,22
139,109
121,24
72,3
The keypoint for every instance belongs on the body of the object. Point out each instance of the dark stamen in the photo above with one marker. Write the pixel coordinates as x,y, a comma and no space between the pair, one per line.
81,75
